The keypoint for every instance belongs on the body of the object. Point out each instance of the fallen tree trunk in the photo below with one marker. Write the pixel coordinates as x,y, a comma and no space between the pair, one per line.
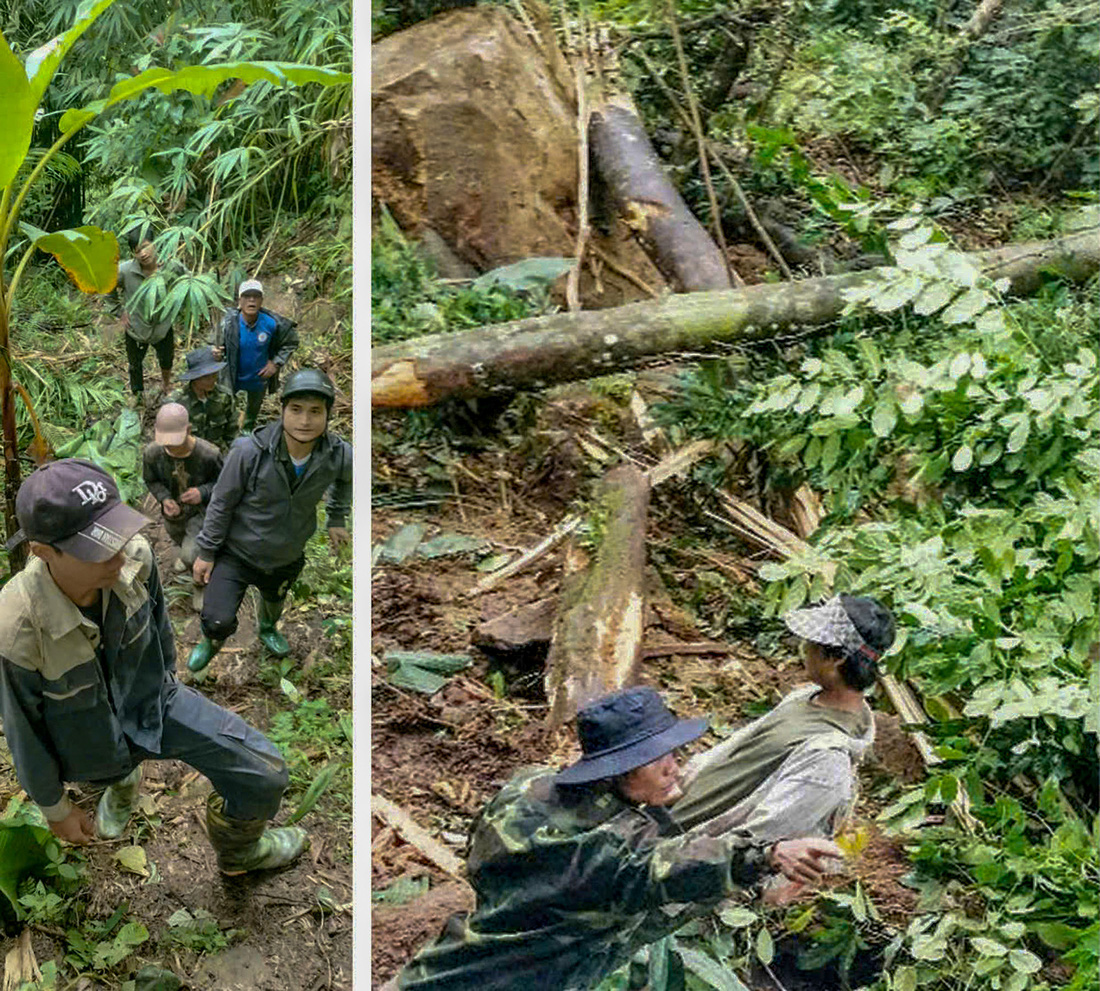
601,612
678,244
534,353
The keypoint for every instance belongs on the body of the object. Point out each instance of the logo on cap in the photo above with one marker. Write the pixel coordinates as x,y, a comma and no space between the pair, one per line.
91,491
107,538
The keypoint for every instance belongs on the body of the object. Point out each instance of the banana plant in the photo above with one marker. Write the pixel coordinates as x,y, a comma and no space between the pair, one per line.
89,255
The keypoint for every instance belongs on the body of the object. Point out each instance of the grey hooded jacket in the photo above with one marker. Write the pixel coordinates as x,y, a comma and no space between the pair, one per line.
254,513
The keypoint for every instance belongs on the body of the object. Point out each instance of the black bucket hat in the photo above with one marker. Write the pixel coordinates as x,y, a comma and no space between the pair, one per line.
201,362
859,624
626,730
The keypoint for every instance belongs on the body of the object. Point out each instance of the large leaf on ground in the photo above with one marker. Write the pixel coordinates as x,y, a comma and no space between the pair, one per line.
710,971
22,852
531,273
89,255
203,80
17,99
42,63
423,671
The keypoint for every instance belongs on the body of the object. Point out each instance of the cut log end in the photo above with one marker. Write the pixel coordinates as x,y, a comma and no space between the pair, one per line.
399,387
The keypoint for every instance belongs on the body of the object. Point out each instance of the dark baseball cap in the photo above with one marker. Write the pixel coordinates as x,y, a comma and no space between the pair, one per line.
74,505
625,730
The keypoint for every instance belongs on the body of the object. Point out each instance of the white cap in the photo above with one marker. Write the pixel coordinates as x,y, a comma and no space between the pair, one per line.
250,285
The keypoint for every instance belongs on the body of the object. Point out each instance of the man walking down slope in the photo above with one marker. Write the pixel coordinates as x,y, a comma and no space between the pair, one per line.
140,332
88,688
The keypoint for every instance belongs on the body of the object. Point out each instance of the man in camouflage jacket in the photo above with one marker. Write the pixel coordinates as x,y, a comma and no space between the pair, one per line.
211,408
576,871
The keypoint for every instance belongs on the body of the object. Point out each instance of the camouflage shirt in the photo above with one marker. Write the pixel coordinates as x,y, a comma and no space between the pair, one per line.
570,883
213,419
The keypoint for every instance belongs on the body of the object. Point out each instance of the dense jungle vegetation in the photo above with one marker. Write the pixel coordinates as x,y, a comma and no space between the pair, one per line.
953,434
205,120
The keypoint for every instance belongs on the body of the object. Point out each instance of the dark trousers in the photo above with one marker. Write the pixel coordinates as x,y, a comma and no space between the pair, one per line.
165,349
252,403
230,580
242,764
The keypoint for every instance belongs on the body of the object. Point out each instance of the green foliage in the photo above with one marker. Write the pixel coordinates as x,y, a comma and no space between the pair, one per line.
407,300
114,445
307,734
222,167
98,946
1032,879
190,301
199,931
852,209
1021,93
23,853
956,454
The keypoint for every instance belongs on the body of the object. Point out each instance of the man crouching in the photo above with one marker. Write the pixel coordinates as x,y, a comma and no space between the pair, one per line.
87,678
575,871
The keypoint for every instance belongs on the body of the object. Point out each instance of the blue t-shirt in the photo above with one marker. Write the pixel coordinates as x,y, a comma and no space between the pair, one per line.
255,342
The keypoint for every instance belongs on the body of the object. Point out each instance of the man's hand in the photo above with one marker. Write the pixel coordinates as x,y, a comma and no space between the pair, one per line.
268,370
338,537
76,827
200,571
125,319
218,353
783,893
800,860
191,496
171,508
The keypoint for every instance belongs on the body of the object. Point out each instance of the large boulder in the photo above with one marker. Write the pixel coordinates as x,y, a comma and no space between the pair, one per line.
474,139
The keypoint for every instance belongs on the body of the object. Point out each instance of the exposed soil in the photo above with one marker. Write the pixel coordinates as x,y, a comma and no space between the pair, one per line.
441,757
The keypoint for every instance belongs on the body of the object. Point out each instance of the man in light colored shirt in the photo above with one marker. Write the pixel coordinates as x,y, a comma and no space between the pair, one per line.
144,328
88,688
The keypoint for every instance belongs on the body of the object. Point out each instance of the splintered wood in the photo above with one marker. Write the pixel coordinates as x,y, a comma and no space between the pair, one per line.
675,464
601,612
403,824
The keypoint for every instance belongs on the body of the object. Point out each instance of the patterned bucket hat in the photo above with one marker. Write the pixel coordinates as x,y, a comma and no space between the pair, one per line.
859,624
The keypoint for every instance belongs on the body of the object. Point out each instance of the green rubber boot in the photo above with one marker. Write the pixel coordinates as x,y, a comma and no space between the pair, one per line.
203,652
117,805
267,615
247,844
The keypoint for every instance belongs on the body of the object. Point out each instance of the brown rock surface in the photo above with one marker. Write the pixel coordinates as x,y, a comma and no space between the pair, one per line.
474,137
527,626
